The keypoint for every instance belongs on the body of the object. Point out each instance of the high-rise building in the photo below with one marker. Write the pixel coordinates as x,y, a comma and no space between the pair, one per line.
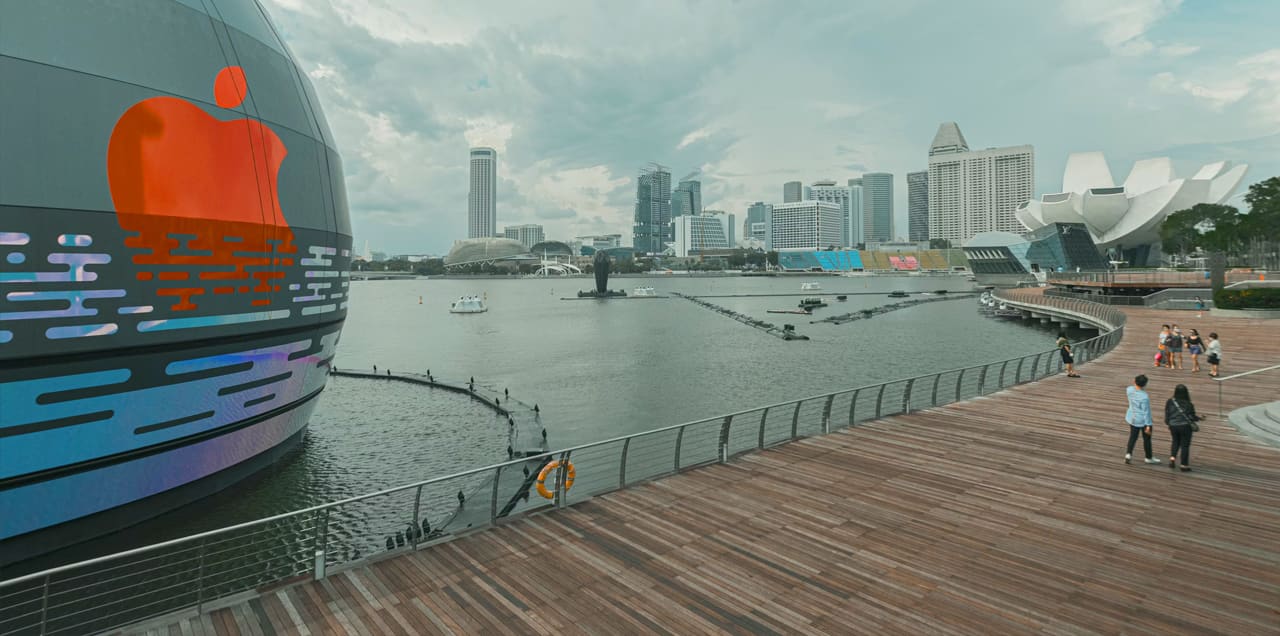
918,205
757,212
697,233
877,206
601,241
652,228
529,235
482,210
686,198
806,225
971,192
849,198
792,191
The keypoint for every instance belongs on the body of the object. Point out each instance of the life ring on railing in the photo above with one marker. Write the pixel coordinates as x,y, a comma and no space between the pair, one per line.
570,474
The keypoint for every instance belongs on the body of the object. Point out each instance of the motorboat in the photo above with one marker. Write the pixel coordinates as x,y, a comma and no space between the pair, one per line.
468,305
810,286
842,297
897,293
644,292
811,302
803,312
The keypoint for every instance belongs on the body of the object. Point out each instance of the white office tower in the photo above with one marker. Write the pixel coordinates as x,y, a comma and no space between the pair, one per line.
529,235
971,192
849,198
806,225
482,211
698,233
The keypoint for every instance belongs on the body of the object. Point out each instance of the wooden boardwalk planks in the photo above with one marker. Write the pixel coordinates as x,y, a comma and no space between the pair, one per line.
1011,513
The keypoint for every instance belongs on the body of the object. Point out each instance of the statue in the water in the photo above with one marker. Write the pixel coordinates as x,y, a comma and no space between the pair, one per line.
601,265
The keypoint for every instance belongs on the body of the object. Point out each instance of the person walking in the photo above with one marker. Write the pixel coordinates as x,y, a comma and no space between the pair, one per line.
1139,418
1162,351
1174,342
1199,307
1195,346
1214,351
1180,416
1064,350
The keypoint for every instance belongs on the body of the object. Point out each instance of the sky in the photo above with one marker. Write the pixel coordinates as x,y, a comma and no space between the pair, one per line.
578,95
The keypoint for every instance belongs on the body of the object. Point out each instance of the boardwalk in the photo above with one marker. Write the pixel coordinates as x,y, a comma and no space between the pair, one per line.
1013,513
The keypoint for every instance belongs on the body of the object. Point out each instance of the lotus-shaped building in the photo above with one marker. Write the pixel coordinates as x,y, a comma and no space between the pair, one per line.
1125,219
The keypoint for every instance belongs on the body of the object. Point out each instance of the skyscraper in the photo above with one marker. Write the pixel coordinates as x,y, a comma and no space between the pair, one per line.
652,227
482,211
757,213
810,225
529,235
686,198
918,205
877,206
792,191
975,191
849,198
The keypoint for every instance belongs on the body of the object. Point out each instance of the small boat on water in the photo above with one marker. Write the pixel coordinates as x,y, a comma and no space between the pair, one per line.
811,302
803,312
468,305
643,292
897,293
842,297
810,286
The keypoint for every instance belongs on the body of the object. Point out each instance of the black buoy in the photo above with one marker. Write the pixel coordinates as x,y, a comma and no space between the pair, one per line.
375,368
510,453
462,499
511,421
544,433
426,526
506,393
535,408
473,379
391,543
399,539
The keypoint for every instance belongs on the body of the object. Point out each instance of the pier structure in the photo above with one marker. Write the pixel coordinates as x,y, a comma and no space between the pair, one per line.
990,499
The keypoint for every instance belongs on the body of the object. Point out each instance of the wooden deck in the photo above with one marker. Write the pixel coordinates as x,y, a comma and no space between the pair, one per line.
1008,514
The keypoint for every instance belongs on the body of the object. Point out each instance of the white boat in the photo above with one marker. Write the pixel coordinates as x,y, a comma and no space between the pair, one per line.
468,305
644,292
810,286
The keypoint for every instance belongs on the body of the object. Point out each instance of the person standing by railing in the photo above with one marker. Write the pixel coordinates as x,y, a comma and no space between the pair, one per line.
1180,416
1139,418
1068,360
1215,354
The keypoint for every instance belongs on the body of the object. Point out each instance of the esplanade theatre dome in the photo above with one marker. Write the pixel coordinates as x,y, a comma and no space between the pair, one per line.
486,250
174,258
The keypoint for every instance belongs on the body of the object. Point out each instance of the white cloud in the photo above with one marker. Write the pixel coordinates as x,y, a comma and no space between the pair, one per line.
701,133
1121,25
1178,50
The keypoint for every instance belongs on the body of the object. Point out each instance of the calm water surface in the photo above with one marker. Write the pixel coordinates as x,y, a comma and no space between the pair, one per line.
597,369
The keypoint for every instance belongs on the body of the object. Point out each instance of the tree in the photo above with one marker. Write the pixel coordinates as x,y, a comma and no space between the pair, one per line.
772,257
1208,226
939,244
1263,220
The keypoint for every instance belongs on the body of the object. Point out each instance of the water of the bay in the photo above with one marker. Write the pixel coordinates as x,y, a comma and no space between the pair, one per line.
597,369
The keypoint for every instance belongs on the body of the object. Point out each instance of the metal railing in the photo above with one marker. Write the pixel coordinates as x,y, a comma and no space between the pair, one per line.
1174,297
193,572
1152,277
1221,380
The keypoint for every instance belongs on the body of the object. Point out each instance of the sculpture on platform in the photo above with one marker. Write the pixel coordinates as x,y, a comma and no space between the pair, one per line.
601,265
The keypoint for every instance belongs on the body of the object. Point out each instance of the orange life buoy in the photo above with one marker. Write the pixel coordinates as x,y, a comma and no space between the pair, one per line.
570,474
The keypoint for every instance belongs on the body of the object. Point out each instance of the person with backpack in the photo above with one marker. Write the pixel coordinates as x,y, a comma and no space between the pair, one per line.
1068,359
1139,419
1180,416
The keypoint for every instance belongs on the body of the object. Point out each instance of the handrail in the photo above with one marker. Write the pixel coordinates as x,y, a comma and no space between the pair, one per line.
302,541
1220,380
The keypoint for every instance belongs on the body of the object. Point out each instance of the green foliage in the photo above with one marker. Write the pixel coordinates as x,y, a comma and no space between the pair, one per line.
1263,220
1207,226
1256,298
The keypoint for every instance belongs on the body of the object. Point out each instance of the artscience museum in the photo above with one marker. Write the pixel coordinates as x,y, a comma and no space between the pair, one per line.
1124,219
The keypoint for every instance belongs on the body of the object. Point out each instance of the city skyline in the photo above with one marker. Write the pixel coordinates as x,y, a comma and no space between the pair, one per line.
409,88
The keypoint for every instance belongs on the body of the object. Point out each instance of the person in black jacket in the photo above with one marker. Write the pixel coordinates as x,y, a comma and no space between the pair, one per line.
1179,414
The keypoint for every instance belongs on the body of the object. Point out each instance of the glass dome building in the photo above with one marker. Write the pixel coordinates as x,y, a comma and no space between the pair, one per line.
174,252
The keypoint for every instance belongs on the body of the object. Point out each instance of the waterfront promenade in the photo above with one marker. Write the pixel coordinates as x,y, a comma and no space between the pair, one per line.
1010,513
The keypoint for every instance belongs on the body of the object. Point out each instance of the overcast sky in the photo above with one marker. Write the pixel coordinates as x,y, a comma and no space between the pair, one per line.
576,96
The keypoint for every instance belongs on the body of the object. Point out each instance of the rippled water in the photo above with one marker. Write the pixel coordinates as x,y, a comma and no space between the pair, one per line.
596,369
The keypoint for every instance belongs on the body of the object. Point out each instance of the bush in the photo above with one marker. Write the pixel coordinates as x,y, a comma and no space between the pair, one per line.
1257,298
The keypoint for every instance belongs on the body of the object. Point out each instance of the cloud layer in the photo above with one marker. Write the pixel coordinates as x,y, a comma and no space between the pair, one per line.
577,95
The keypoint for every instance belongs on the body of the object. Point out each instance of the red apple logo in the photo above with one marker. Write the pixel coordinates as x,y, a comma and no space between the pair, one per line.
177,172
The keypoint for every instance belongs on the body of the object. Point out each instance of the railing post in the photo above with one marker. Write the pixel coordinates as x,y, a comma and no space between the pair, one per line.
879,399
826,414
795,421
724,438
1002,368
199,586
44,598
417,505
853,405
763,416
982,379
622,465
906,396
933,399
679,442
493,501
1017,375
320,544
959,381
561,492
1219,382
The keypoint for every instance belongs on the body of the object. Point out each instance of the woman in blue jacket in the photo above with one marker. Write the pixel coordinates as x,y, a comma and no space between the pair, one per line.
1139,418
